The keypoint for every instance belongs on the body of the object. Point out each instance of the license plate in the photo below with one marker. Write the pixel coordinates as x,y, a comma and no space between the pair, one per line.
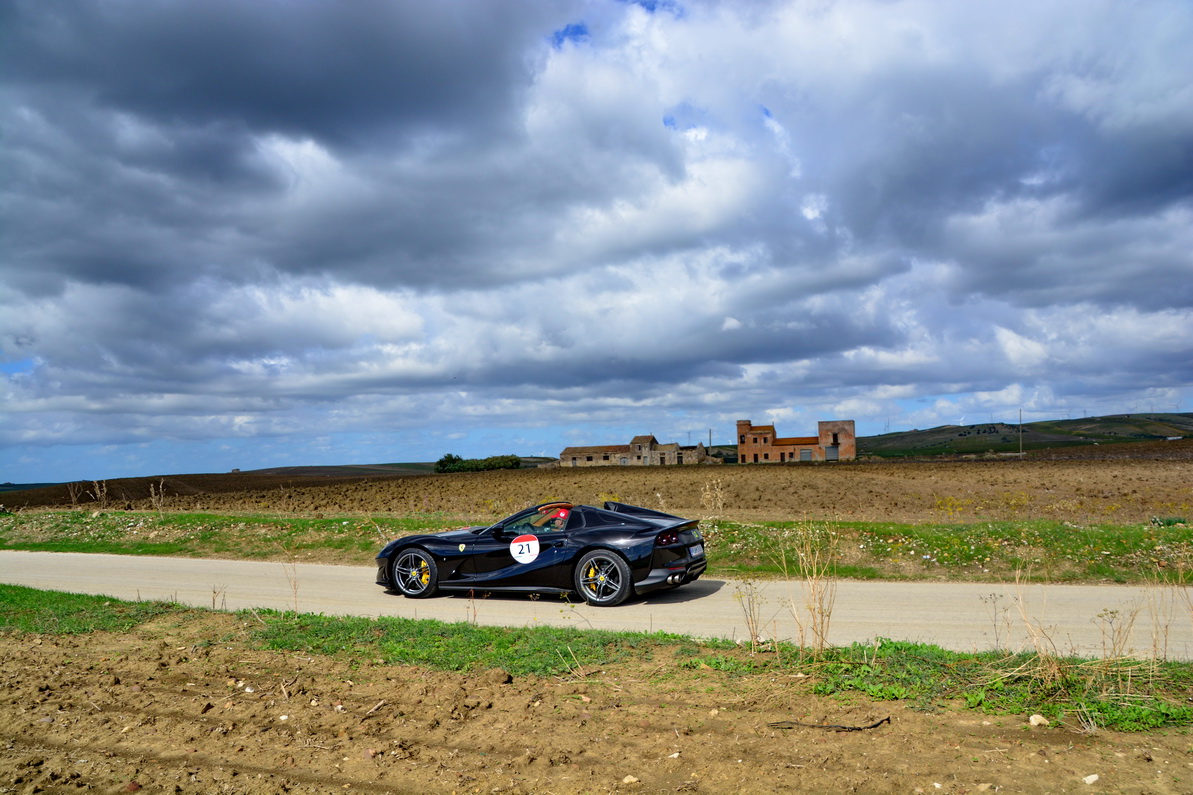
696,550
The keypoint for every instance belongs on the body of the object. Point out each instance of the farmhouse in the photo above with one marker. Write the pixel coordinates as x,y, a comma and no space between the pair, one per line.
642,451
759,444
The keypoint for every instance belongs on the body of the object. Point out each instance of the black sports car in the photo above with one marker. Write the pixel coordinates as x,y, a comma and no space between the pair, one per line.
604,554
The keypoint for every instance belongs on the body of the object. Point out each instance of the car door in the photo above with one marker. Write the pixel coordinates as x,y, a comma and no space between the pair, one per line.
518,555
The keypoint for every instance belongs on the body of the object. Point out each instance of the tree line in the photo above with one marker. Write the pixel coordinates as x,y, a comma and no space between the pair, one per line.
454,463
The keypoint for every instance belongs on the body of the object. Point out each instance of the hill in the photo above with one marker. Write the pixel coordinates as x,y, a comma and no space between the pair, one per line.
1053,435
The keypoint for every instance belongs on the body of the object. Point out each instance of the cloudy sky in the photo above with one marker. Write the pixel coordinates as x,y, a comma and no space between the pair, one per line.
280,232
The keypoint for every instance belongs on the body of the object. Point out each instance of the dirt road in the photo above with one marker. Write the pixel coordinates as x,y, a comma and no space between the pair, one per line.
959,616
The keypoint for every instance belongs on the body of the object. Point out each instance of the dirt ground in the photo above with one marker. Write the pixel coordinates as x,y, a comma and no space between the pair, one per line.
1127,482
182,705
185,705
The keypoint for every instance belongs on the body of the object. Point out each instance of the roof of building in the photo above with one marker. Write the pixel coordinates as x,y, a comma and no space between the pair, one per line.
762,429
799,440
607,448
648,439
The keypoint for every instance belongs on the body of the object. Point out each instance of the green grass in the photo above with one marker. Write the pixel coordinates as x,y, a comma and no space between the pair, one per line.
355,539
55,613
541,651
1038,550
1121,694
954,548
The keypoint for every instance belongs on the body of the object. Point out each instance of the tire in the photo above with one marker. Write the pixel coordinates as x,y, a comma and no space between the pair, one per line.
602,578
414,573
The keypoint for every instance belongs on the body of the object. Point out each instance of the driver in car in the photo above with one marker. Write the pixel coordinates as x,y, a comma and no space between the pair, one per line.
553,518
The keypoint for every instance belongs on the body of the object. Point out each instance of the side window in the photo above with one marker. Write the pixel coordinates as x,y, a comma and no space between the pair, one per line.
550,519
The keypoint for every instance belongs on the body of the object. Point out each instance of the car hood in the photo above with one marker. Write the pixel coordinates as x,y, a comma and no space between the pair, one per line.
451,535
462,534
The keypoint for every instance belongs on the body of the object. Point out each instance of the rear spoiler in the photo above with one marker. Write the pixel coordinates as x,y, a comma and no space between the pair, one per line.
638,510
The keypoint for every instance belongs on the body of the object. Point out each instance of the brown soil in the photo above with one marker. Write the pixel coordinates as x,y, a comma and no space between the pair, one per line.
1130,482
183,705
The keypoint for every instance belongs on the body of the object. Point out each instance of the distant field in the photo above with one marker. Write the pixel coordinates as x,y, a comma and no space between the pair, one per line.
1127,483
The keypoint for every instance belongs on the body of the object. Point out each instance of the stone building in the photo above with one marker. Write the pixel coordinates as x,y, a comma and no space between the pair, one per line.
759,444
641,451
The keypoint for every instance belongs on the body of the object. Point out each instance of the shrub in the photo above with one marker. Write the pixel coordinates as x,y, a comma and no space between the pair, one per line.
454,463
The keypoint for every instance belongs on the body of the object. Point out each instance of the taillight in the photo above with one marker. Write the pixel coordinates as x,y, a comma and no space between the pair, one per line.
667,539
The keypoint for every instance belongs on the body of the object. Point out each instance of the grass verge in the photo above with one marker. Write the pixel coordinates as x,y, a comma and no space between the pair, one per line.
989,551
56,613
1122,694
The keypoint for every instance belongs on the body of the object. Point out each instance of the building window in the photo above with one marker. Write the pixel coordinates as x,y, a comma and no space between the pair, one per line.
766,456
604,458
741,439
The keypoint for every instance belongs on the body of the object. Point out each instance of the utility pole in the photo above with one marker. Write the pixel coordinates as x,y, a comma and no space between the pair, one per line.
1021,433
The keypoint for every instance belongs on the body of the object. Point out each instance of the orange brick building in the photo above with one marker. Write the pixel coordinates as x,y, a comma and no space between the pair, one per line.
759,444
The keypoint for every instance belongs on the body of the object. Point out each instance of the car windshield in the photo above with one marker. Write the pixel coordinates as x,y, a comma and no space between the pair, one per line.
543,519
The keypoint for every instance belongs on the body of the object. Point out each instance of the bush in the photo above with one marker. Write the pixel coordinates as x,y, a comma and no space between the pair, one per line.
454,463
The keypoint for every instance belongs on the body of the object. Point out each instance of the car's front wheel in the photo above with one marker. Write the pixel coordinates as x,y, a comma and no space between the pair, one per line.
603,578
415,573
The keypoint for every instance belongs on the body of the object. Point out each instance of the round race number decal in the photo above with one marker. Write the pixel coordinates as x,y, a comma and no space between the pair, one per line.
525,548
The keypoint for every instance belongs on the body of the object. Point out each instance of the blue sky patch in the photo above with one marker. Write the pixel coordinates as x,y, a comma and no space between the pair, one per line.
577,32
18,366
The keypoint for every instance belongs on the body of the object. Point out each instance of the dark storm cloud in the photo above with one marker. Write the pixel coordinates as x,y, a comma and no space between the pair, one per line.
341,73
258,218
157,116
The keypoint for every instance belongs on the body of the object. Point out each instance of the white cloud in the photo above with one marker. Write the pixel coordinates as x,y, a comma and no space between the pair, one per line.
901,211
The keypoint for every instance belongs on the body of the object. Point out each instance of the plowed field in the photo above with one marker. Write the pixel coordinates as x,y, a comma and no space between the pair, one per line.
1136,482
187,706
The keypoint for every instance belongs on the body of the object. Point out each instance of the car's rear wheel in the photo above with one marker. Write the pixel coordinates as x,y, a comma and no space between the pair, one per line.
415,574
603,578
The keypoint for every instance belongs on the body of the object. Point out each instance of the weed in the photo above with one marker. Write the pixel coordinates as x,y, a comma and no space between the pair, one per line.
999,618
815,557
747,596
99,493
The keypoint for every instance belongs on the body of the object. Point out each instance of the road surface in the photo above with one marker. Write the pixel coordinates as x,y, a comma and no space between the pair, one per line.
1087,620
